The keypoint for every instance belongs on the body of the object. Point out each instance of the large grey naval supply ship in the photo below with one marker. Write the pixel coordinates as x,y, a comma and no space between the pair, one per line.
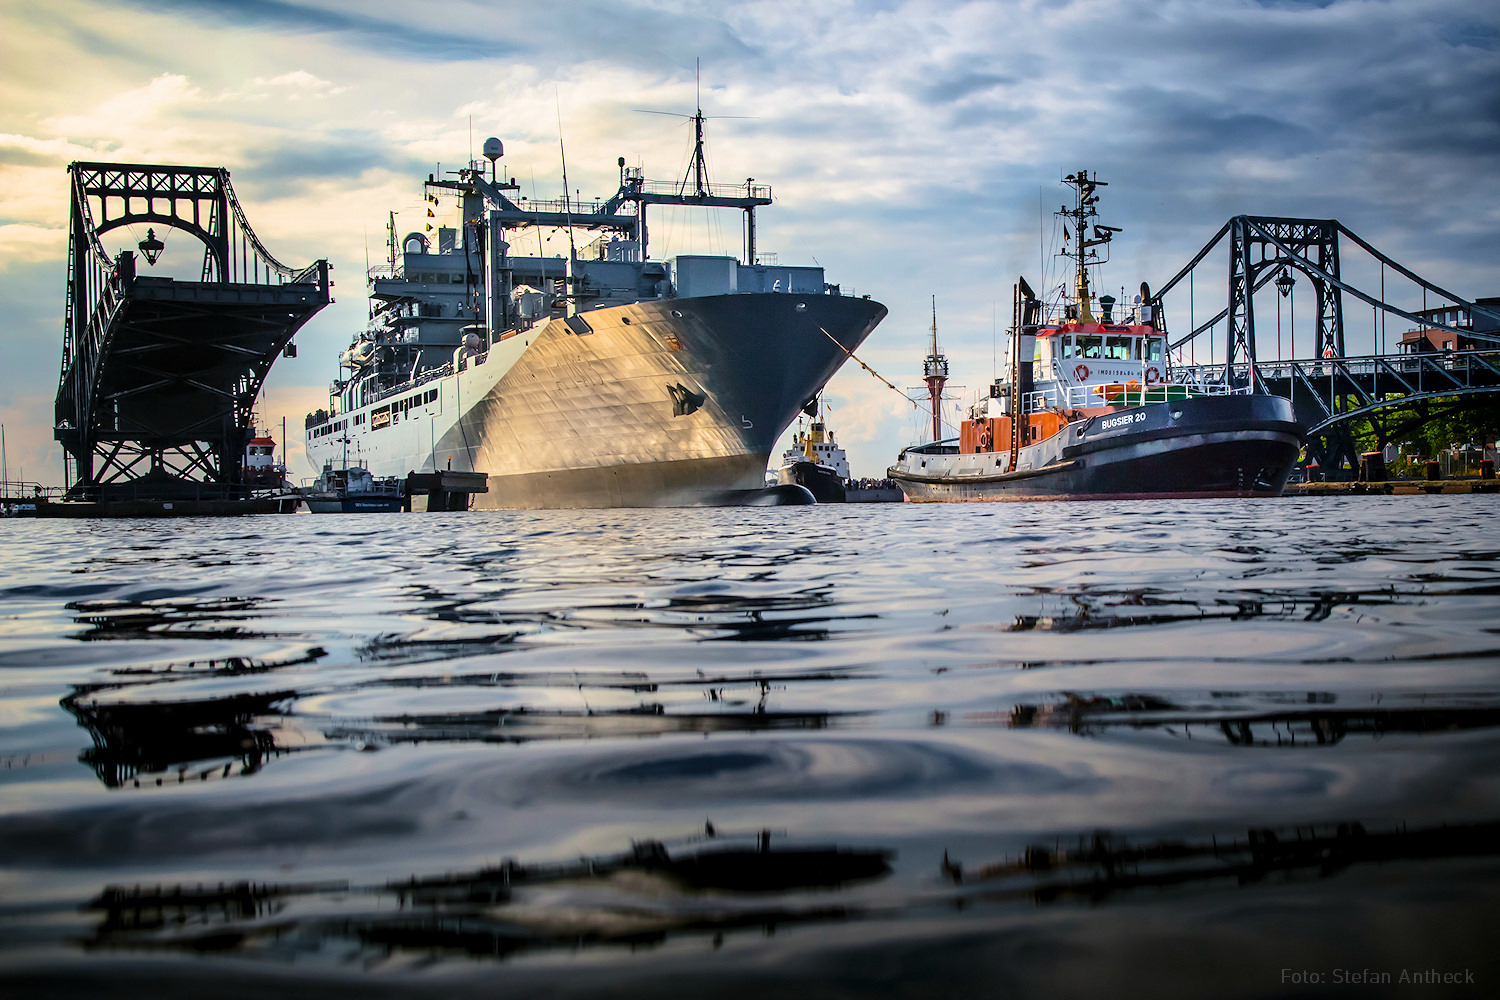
600,379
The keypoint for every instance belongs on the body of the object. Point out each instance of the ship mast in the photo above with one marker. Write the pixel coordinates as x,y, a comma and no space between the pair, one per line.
935,374
1081,250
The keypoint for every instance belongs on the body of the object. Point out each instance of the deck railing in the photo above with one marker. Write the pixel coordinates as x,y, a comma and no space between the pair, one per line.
1079,397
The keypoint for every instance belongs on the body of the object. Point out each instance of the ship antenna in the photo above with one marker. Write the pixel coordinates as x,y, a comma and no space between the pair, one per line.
567,195
369,309
1082,252
699,168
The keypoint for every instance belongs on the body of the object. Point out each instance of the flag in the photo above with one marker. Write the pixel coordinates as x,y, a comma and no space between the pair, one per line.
431,214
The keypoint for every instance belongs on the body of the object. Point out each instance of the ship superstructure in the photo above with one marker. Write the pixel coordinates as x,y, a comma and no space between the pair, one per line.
599,378
1090,407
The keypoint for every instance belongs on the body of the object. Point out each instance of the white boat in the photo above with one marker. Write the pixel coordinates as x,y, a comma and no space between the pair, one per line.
353,491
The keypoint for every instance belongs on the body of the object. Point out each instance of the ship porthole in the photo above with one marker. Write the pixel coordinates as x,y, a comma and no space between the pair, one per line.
802,307
625,320
1176,414
676,314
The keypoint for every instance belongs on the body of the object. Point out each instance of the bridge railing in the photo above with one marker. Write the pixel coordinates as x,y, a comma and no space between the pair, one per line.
1416,372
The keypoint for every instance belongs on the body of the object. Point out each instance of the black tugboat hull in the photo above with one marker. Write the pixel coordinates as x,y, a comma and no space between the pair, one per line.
822,482
1221,446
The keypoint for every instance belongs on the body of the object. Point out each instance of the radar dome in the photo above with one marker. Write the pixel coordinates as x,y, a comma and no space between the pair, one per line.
493,149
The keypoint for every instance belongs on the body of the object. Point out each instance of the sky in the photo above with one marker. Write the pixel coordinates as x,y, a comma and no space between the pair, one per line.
914,148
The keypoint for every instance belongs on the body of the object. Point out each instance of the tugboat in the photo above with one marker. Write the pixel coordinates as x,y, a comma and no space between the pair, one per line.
1091,408
816,461
261,469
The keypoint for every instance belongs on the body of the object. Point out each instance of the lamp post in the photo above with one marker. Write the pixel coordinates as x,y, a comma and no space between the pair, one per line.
151,247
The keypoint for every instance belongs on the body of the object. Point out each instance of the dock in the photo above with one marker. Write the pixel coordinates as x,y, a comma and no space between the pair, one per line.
1397,487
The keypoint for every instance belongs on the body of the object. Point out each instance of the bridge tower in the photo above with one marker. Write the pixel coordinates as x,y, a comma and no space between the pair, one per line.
1331,391
160,377
1259,249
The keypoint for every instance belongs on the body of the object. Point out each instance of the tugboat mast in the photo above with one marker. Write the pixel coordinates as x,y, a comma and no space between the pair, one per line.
1081,251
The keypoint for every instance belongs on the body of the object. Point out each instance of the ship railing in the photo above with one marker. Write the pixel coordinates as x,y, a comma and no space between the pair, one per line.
1211,380
1121,313
431,375
18,489
562,206
381,271
1130,393
713,190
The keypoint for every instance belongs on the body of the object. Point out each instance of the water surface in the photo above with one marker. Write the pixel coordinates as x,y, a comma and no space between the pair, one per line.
1160,748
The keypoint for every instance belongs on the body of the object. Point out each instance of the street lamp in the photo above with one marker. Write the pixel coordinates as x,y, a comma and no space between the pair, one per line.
151,247
1285,282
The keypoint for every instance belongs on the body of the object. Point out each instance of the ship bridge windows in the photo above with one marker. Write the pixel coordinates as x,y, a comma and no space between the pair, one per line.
1088,347
1121,348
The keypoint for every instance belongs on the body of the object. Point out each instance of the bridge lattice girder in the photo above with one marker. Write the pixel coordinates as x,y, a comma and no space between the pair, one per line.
1333,390
1331,394
159,377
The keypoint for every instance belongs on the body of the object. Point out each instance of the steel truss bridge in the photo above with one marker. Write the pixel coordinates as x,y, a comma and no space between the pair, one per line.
1394,392
160,376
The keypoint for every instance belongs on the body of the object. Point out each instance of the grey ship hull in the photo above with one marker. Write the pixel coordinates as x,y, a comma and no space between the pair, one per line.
587,417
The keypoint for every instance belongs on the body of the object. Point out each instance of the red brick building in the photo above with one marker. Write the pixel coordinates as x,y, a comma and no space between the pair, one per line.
1433,339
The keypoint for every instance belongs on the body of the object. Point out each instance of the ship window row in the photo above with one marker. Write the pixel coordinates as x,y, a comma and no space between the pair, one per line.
1112,348
328,429
436,278
419,399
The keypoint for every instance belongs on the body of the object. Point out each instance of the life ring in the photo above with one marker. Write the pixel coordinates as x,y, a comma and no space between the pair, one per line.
984,437
1081,373
1153,374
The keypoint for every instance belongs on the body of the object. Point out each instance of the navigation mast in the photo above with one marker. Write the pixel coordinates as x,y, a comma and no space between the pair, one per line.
1082,252
935,374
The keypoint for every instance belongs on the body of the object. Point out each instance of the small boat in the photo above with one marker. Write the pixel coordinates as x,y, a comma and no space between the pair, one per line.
1092,408
261,469
353,490
815,461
